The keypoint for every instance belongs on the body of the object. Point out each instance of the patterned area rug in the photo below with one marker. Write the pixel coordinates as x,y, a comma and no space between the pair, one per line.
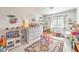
55,46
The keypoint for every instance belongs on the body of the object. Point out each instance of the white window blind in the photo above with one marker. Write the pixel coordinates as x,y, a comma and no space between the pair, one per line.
57,24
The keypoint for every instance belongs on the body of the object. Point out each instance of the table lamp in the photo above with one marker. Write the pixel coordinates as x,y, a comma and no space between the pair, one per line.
25,24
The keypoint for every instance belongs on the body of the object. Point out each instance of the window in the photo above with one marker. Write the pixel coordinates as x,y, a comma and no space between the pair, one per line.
57,24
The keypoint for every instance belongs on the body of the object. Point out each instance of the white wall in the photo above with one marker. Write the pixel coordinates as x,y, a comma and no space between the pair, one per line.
25,13
4,20
77,15
71,13
22,13
47,11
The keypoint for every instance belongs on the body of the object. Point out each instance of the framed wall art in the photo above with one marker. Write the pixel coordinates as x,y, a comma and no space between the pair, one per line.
13,19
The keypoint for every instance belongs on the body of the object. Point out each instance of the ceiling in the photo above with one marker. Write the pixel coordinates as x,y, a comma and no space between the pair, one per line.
32,10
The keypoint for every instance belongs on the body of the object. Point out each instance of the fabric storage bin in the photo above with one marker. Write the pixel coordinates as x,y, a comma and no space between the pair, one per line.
2,49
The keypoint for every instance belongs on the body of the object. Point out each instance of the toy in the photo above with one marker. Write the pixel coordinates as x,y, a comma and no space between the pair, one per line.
3,41
74,35
44,43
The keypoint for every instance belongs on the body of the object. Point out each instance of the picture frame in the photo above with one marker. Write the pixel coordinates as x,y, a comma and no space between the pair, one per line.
13,19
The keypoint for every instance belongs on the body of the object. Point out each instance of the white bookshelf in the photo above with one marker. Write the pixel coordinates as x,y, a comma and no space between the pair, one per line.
13,42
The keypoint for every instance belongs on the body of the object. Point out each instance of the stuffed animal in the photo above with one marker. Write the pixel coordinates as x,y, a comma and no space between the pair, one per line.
3,41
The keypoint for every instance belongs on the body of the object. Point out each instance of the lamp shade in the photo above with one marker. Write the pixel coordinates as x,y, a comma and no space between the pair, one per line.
25,24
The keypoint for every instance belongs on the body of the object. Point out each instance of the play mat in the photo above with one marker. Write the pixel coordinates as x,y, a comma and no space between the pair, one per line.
54,46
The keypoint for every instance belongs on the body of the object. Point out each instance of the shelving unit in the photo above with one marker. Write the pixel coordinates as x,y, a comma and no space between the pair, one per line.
13,38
